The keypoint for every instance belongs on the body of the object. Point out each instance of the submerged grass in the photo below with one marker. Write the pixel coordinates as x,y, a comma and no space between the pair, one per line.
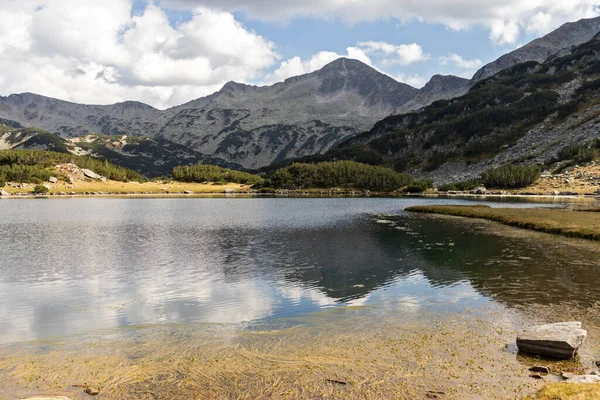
343,358
585,225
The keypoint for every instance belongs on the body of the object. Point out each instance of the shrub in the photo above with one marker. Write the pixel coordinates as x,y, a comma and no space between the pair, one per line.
2,183
40,189
511,176
348,174
567,109
460,186
579,154
211,173
419,186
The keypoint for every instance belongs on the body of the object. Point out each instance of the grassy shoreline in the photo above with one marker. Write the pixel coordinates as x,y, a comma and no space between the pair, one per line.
584,225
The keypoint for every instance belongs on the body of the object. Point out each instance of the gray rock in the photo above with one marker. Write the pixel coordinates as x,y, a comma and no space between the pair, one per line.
479,190
229,190
540,368
4,193
562,340
572,378
90,174
188,192
53,179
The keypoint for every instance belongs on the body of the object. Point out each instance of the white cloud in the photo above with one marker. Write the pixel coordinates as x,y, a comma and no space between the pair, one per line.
87,51
371,53
403,54
458,61
413,80
504,18
296,66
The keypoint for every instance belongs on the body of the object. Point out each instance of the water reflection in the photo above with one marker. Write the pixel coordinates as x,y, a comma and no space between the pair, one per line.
70,266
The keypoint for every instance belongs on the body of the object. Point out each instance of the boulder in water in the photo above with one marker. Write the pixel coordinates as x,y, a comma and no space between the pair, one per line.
562,340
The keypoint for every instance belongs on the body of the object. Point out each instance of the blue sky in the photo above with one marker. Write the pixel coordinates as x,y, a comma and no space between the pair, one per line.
305,36
167,52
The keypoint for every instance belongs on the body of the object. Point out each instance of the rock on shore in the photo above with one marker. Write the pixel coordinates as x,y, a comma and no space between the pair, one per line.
562,340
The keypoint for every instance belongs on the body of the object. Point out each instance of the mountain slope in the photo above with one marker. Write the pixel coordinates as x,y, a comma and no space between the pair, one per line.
149,156
569,34
527,113
439,87
241,124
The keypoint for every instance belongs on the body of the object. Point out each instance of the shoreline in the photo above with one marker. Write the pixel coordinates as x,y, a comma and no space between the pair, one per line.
567,223
311,193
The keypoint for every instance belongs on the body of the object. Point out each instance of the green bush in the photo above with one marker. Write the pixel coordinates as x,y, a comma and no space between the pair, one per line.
511,176
579,153
211,173
40,189
460,186
419,186
348,174
2,183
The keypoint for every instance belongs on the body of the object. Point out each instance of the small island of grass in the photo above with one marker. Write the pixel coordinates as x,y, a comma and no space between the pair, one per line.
585,225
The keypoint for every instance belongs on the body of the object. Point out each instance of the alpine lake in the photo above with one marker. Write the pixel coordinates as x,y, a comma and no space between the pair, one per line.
257,297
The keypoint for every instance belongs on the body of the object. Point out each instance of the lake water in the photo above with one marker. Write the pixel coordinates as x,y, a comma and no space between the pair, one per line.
70,266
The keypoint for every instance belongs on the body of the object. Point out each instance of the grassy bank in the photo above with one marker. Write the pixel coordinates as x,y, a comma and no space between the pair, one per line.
115,187
568,391
584,225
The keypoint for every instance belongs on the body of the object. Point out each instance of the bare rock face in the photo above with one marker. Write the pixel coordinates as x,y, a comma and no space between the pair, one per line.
562,340
4,193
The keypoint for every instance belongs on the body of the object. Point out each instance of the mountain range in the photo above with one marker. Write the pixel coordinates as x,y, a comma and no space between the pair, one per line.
249,127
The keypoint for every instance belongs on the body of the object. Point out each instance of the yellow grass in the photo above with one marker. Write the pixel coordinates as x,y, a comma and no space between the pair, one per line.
115,187
584,225
568,391
547,185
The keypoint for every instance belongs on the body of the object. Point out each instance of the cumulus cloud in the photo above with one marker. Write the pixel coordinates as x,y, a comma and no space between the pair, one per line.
371,53
456,60
96,52
504,18
296,66
403,54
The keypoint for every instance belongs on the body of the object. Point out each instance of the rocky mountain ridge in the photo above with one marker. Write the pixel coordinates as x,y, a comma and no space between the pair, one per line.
539,50
241,124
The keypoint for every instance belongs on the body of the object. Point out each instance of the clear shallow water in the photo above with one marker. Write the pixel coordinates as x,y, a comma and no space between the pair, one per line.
80,265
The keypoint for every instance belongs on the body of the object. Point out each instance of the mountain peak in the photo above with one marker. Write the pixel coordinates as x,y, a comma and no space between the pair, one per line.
233,86
344,64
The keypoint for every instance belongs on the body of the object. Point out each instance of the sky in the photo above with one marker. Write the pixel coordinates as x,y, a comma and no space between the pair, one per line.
167,52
